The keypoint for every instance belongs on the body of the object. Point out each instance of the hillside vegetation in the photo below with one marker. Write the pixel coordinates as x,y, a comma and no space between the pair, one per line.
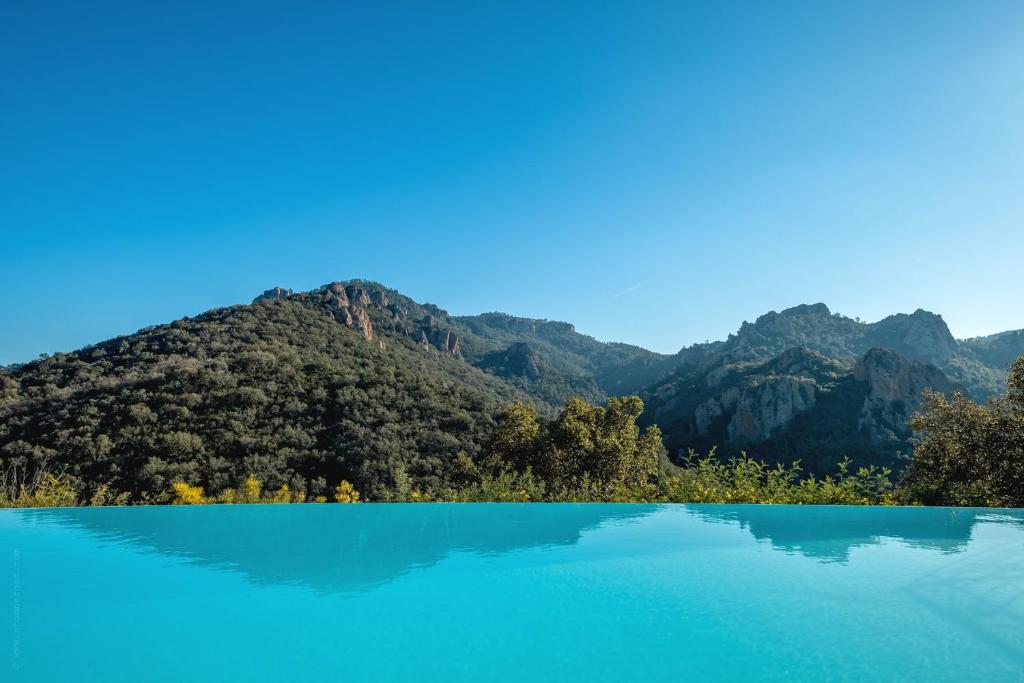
970,454
277,390
354,382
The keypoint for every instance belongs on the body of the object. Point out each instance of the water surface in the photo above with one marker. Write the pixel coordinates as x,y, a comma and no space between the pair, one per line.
511,592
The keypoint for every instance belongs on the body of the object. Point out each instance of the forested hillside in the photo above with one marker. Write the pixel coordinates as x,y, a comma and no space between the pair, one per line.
354,381
278,389
603,369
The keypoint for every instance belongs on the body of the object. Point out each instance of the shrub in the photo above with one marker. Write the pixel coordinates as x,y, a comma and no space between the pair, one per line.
48,490
104,496
187,495
346,493
745,480
506,486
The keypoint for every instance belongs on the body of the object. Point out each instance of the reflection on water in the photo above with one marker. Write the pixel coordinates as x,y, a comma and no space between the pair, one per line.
337,548
443,592
341,548
829,533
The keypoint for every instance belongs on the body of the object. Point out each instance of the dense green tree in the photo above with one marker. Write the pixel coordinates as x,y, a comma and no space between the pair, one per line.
970,454
516,441
600,445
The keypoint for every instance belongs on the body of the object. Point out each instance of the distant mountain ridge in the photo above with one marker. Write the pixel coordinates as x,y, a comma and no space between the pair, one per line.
545,358
976,364
357,380
808,384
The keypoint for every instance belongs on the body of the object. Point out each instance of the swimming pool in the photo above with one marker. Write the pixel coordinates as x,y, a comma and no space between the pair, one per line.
502,592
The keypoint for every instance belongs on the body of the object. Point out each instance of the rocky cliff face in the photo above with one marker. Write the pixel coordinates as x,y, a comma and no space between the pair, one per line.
744,402
275,294
798,404
444,340
894,388
369,308
705,414
348,304
769,405
759,400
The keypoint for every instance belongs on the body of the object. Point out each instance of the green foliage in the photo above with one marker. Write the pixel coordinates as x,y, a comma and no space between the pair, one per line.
507,486
275,401
554,362
104,496
700,480
42,489
745,480
586,454
603,444
516,440
591,454
970,454
279,390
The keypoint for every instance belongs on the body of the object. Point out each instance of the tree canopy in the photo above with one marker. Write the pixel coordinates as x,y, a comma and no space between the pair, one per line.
970,454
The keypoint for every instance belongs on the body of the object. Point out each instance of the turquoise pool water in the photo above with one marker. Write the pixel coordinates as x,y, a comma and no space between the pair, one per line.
511,592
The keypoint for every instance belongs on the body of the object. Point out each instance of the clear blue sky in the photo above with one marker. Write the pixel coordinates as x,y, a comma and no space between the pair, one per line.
652,172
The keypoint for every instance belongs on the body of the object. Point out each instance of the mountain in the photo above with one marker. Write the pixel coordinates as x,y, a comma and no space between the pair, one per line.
302,389
355,380
979,365
546,359
995,352
809,384
798,405
352,380
564,356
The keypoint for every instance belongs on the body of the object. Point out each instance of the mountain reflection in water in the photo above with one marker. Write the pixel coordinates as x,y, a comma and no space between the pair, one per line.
337,548
347,548
830,532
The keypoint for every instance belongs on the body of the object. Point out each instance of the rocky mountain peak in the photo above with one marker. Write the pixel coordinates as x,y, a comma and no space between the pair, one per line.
274,294
811,326
819,309
370,308
921,335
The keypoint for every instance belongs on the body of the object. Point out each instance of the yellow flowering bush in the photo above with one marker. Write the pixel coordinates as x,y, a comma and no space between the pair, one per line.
346,493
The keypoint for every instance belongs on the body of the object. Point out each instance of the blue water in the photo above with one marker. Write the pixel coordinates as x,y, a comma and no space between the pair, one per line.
511,593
